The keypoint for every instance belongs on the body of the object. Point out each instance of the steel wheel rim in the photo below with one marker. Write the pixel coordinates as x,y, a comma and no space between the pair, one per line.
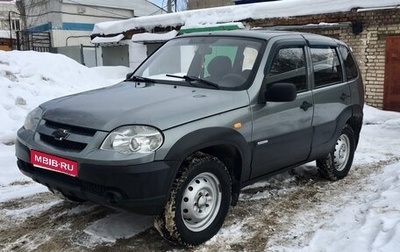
201,202
342,152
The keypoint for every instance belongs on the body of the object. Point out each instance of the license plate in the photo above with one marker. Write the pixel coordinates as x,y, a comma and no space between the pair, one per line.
53,163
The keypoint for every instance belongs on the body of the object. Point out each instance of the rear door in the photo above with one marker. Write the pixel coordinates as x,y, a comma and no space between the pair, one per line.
331,95
282,132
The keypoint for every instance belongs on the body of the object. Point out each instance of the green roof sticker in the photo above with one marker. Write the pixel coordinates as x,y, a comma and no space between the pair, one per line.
209,28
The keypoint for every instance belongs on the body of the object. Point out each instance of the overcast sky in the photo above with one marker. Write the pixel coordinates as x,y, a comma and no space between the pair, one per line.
159,2
163,3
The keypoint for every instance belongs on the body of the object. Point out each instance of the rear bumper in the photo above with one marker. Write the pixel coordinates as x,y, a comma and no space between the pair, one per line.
143,189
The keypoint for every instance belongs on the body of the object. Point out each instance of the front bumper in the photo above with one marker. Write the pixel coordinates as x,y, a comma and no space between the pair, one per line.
140,188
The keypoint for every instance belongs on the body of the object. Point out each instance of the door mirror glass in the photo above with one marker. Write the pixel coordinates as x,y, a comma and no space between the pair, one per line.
281,92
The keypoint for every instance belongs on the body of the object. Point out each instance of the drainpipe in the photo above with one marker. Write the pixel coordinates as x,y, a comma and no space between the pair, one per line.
9,22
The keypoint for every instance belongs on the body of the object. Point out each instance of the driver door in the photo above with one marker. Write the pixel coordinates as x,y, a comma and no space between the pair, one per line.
282,131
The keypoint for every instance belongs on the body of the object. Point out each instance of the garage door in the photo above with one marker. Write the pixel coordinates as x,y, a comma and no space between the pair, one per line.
392,74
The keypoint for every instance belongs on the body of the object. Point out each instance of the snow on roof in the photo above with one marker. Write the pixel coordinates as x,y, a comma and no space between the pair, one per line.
7,2
102,40
237,25
143,37
283,8
140,7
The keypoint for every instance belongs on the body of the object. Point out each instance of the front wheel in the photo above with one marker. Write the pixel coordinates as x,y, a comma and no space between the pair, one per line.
336,165
198,203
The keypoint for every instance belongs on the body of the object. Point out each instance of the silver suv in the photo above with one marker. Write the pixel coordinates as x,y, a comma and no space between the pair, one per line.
201,118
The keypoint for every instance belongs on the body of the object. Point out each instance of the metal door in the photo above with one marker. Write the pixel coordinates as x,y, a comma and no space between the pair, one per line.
392,74
116,55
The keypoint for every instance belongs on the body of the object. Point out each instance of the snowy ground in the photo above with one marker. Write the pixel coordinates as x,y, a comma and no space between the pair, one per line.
295,211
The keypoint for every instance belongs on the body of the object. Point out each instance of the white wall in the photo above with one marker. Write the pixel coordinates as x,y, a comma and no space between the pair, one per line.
137,53
86,14
4,10
71,24
36,10
60,37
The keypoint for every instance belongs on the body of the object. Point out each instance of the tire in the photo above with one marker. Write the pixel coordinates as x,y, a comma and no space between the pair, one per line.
336,165
198,203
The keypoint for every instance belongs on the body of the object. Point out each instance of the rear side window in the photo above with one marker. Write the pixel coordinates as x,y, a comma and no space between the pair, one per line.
349,63
289,66
326,66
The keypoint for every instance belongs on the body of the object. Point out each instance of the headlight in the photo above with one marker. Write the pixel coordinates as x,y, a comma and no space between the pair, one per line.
133,139
32,119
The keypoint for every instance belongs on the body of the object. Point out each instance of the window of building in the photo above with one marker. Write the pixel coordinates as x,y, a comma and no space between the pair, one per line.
15,24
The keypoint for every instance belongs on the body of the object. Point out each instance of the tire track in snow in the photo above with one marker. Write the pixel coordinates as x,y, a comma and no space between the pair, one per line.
265,217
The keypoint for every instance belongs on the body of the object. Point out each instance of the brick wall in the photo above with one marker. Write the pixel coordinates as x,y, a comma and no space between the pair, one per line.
368,46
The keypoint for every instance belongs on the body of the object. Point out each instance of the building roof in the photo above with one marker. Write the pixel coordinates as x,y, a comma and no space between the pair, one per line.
140,7
283,8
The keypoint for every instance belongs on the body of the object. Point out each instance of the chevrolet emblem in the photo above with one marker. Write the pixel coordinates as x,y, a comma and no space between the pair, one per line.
60,134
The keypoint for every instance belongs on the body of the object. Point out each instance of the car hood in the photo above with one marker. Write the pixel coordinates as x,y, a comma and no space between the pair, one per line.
127,103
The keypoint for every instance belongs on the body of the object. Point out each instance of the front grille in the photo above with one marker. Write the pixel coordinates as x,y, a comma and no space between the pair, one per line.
65,144
72,129
77,140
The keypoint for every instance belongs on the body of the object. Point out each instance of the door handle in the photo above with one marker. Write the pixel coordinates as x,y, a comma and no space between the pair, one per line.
344,96
306,105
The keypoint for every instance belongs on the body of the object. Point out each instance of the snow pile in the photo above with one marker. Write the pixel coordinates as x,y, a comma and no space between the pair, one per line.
379,136
283,8
373,225
30,78
386,119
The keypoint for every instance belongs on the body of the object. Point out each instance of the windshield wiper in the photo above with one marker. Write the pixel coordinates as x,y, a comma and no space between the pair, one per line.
140,79
194,78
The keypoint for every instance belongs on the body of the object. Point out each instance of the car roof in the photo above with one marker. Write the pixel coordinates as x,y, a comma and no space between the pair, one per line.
269,34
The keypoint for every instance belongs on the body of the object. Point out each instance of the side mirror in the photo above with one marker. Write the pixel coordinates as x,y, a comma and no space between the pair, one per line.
281,92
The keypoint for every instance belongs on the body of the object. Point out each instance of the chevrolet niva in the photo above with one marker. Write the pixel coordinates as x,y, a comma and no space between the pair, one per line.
201,118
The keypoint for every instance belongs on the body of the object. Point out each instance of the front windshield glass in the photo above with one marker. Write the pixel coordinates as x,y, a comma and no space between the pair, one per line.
209,62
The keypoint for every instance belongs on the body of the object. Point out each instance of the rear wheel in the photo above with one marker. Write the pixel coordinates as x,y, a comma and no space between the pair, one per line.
199,201
336,165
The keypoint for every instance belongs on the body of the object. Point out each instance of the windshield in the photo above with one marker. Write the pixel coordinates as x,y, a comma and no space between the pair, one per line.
209,62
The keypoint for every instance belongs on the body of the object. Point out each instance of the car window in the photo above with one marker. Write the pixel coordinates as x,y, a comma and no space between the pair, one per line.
249,58
227,52
326,66
229,65
349,63
229,62
289,66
